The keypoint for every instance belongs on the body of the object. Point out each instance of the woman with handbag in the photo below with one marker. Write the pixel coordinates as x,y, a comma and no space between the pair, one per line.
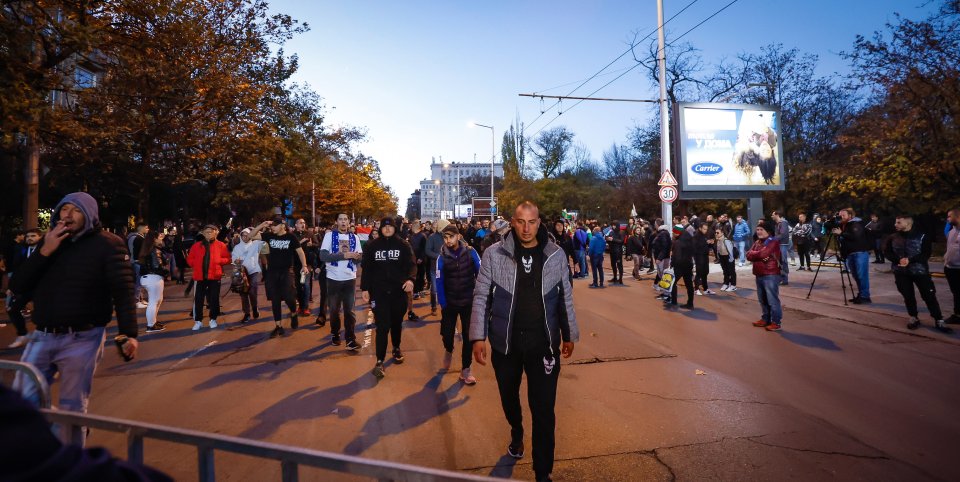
152,273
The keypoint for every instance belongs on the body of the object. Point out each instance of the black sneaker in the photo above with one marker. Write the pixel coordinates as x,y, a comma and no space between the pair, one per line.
411,316
277,331
378,370
940,326
515,450
352,345
335,340
156,328
294,321
321,321
256,314
246,318
397,356
861,301
914,324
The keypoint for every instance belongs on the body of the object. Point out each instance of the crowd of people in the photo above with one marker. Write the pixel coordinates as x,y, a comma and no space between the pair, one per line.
508,283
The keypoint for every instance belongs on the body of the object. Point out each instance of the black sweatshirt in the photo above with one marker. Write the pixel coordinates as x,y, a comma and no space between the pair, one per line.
387,263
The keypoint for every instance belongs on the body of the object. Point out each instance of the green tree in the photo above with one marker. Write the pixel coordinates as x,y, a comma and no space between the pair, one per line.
550,150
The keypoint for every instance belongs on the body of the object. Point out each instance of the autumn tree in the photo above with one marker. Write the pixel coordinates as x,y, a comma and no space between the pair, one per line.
550,150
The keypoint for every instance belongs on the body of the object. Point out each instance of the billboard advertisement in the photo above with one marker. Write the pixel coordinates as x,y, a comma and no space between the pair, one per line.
729,147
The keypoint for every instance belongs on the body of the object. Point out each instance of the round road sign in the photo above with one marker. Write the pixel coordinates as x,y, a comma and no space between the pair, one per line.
668,194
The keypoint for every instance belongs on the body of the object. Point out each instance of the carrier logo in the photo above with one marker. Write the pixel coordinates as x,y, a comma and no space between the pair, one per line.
707,168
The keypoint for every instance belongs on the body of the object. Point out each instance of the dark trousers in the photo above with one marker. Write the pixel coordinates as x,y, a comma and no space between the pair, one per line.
388,311
248,300
208,290
421,280
17,304
596,266
279,290
448,327
303,291
878,251
342,296
803,251
953,279
924,284
703,269
530,353
323,294
729,270
686,274
433,283
616,265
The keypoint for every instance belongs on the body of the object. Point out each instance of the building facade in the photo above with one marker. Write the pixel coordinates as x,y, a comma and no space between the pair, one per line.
443,190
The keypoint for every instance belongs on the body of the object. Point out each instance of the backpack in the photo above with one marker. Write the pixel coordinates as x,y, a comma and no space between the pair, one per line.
240,281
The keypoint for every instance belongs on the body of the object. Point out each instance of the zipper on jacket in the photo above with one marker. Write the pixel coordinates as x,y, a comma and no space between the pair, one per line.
546,322
506,350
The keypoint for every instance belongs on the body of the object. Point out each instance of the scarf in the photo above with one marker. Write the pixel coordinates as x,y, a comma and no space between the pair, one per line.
335,247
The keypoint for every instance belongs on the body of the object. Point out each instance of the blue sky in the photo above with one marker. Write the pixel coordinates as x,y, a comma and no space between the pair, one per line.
415,73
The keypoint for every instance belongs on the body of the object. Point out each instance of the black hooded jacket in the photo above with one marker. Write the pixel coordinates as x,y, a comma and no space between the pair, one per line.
388,262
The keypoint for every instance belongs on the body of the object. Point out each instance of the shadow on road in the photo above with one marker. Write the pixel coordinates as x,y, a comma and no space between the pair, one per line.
269,370
240,343
306,404
504,467
811,341
413,411
699,314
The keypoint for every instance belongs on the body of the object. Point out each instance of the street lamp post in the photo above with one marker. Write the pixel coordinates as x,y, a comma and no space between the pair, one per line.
493,157
437,189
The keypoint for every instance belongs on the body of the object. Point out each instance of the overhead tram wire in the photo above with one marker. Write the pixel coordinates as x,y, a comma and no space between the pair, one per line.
714,14
625,52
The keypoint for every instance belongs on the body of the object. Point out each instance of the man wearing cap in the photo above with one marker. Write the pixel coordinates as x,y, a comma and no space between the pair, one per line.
207,257
456,276
284,246
247,254
389,269
766,257
78,278
340,251
523,302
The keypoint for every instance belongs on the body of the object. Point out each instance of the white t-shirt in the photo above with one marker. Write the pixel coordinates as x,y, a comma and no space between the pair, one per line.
342,270
250,254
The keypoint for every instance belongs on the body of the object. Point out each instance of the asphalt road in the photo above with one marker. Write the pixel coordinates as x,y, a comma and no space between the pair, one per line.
843,393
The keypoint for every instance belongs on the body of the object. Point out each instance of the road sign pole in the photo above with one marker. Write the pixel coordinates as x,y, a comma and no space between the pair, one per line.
666,207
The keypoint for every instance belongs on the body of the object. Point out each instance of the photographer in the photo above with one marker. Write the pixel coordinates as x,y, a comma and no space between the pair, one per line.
909,249
855,249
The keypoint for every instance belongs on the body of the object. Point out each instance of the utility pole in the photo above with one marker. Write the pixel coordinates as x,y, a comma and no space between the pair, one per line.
666,208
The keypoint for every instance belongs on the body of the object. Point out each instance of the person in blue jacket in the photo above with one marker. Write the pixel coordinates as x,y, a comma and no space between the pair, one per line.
597,246
456,277
741,233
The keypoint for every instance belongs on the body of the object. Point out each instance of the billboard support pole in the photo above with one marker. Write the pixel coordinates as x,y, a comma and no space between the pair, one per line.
666,208
754,209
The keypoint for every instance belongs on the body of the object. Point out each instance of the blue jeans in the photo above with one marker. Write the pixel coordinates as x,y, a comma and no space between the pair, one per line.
859,265
581,256
742,247
596,265
768,294
784,264
75,356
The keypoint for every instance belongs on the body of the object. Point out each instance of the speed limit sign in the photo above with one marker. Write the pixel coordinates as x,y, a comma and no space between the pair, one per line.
668,194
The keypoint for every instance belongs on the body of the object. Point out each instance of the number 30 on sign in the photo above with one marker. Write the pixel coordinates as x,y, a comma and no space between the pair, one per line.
668,194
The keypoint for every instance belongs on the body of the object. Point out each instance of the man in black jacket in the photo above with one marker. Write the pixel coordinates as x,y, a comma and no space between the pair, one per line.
389,268
615,242
682,262
79,276
855,248
908,250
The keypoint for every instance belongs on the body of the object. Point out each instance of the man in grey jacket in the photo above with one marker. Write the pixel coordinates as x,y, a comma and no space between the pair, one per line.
523,302
783,236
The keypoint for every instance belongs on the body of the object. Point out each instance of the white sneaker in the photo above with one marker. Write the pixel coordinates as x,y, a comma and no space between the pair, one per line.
213,323
699,293
710,292
740,264
724,288
18,342
141,305
732,288
197,325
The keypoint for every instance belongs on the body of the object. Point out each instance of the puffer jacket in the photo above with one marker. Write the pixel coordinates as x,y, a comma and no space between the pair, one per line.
765,257
912,245
219,256
493,297
456,275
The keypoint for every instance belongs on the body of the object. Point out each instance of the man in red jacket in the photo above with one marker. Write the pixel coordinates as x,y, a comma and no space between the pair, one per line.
206,259
766,257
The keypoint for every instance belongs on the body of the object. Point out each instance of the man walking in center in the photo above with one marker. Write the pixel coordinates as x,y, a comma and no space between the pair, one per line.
523,302
284,246
456,275
207,257
78,278
341,252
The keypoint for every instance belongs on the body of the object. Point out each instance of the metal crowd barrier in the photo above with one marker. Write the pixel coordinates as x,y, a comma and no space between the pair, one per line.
290,458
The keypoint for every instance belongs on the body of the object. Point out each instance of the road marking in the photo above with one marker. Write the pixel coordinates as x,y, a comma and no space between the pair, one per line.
195,352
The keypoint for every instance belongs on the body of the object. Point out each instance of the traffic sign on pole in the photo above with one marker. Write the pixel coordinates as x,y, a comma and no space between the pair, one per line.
667,179
668,194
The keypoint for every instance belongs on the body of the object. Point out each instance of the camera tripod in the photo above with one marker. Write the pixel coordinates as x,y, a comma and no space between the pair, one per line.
845,278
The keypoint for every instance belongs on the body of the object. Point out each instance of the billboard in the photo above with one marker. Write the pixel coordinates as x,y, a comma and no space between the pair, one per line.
729,147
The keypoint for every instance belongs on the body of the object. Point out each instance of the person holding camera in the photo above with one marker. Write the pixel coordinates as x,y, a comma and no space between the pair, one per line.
908,250
855,248
80,275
